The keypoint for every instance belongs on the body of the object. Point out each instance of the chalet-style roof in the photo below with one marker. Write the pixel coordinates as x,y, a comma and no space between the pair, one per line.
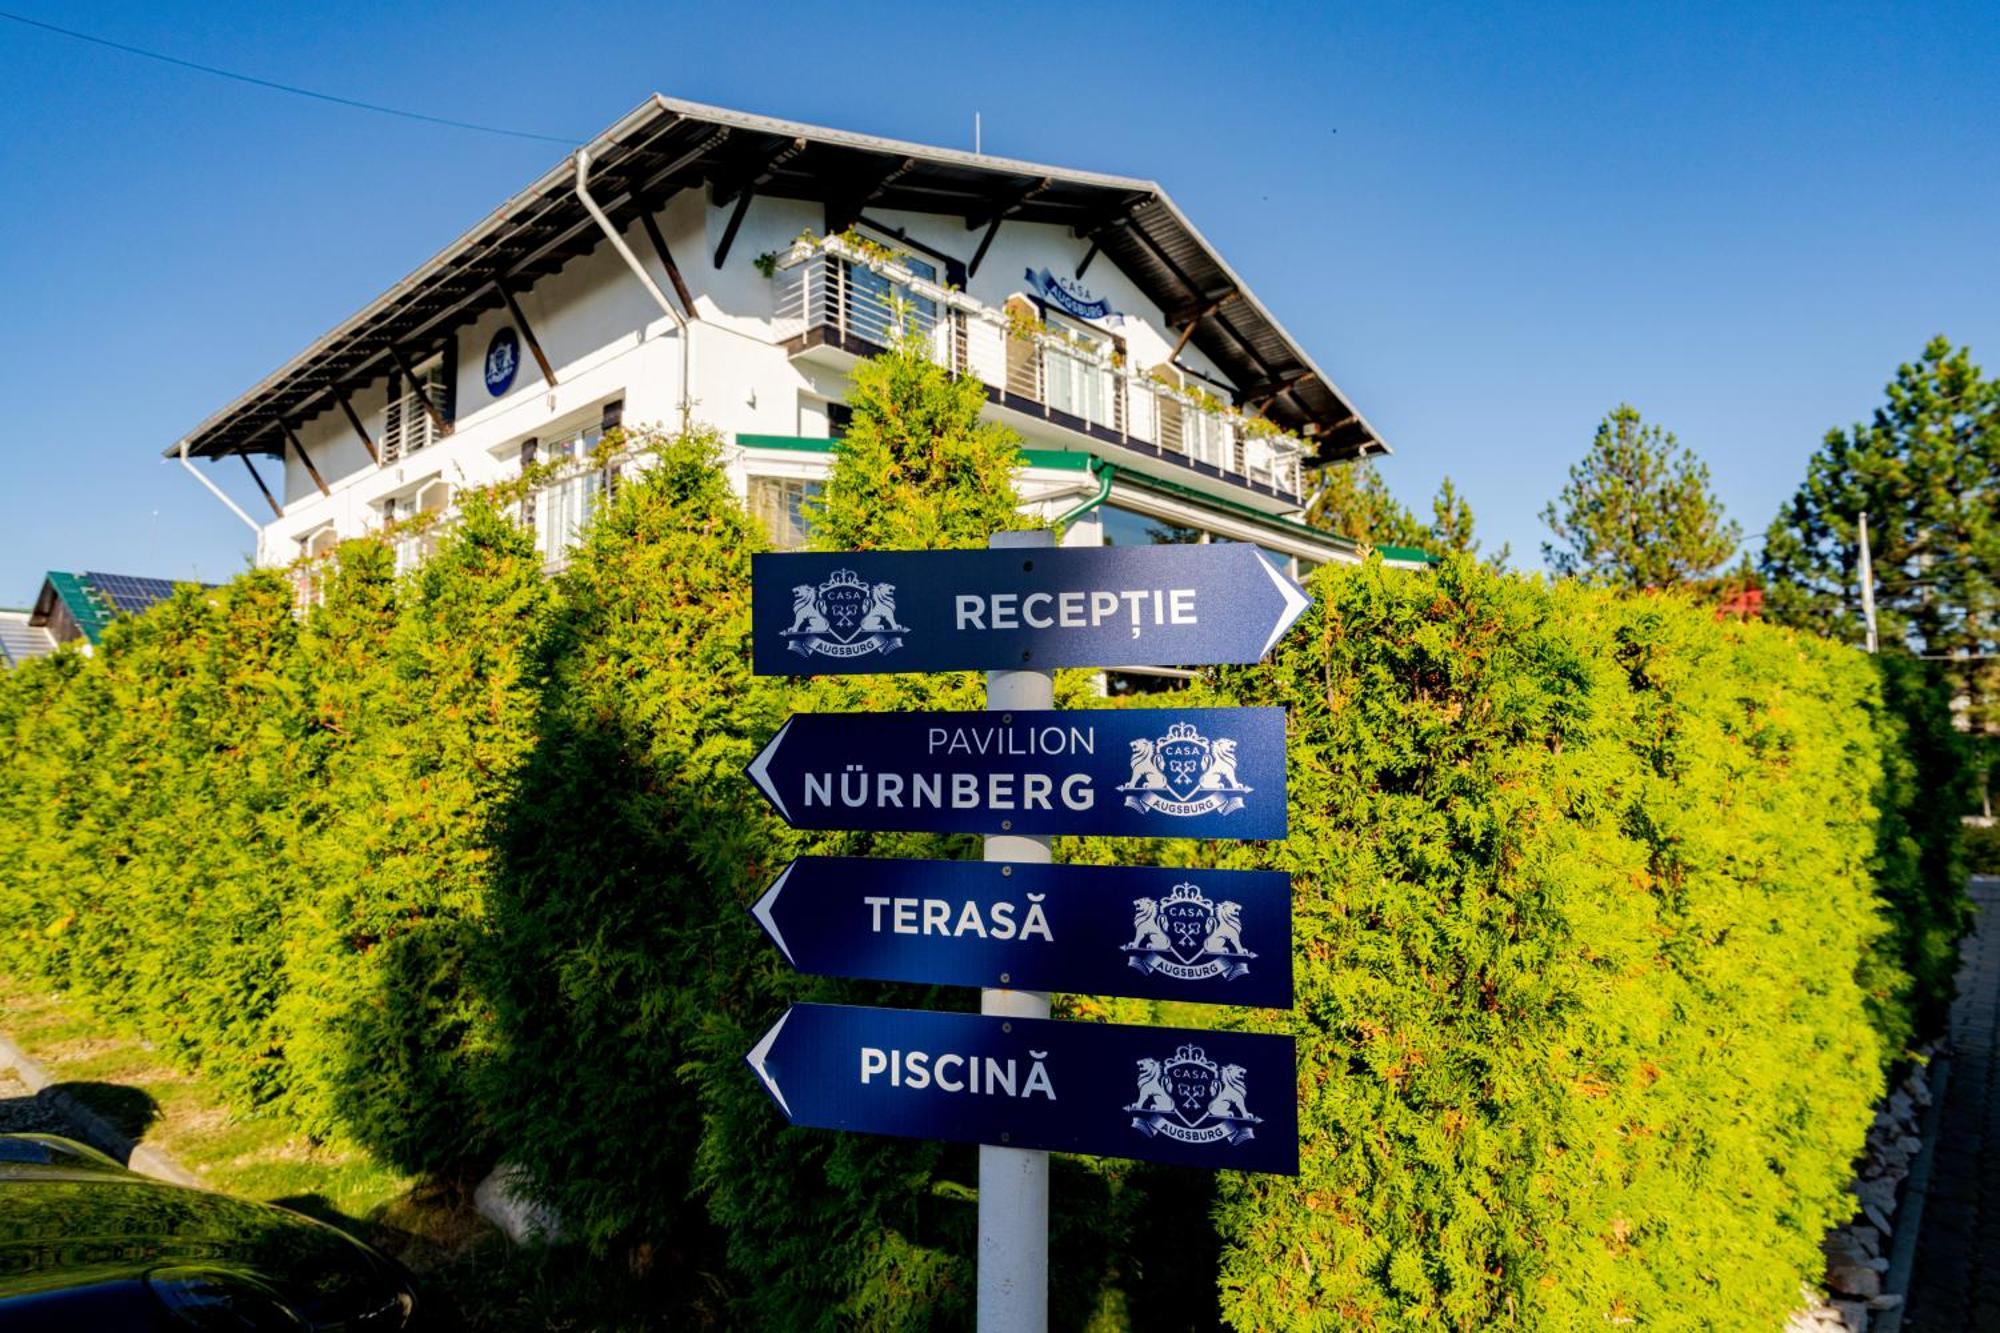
666,145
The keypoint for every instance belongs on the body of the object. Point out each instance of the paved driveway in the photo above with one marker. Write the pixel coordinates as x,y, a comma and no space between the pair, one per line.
1955,1282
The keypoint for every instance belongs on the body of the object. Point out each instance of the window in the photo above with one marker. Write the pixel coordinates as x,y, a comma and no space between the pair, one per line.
406,426
872,298
560,510
779,504
1074,380
1123,527
415,544
1278,560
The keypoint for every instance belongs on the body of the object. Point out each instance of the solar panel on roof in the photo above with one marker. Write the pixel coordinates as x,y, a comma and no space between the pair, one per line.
130,593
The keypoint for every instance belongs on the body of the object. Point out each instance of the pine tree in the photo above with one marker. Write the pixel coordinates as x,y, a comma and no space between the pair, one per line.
918,469
1638,511
1352,500
1452,528
1926,471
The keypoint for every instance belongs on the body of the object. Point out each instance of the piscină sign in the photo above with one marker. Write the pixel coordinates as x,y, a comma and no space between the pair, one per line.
878,611
1135,772
1211,936
1212,1099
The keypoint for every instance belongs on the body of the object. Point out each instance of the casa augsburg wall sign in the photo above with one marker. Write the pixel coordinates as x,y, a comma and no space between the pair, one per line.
1210,936
880,611
1213,1099
1126,772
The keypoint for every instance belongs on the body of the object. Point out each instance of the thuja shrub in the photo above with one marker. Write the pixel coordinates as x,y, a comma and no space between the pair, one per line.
151,805
628,979
425,699
1595,988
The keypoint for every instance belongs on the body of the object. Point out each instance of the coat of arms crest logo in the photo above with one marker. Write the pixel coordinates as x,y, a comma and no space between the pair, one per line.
1188,937
844,617
1184,773
1192,1100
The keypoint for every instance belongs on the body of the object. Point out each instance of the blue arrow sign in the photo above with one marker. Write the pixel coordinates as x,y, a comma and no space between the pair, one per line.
1132,772
872,611
1211,936
1213,1099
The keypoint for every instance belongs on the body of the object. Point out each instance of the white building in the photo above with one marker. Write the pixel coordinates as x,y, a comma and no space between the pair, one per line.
673,270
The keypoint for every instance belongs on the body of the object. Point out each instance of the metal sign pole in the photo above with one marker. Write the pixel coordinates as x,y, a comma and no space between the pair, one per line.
1013,1272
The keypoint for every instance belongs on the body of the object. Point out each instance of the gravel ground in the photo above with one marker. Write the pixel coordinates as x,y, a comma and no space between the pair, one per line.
21,1112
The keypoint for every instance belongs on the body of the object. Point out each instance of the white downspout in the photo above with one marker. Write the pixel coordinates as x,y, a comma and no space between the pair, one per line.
216,491
639,271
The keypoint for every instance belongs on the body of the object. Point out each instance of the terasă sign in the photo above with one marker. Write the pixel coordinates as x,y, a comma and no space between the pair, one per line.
1207,936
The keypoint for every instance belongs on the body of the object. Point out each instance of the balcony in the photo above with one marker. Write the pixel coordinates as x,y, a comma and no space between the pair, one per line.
830,294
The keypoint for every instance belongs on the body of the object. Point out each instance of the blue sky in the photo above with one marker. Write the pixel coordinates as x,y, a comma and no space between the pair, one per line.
1489,223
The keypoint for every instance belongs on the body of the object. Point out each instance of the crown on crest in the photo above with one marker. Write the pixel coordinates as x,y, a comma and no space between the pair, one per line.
1193,1055
844,578
1185,893
1182,731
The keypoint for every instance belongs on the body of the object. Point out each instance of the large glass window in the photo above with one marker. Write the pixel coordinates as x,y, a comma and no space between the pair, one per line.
872,297
1076,382
779,504
1278,559
1123,527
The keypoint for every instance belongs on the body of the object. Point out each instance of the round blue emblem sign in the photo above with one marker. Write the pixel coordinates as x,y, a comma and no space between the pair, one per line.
503,358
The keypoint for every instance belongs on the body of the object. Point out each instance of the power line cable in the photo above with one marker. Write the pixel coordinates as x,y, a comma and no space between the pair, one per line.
283,87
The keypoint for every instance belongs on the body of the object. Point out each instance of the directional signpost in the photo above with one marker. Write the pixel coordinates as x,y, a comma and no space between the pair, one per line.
1210,936
1213,1099
1095,606
1124,772
1007,1078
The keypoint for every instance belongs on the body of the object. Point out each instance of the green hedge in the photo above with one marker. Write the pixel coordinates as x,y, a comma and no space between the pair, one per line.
1596,989
1609,917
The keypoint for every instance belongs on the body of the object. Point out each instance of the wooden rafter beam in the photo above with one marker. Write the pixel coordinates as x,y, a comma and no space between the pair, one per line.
1277,386
354,420
744,188
759,172
258,477
431,409
1194,313
528,333
304,457
1008,206
999,213
844,210
648,209
735,221
1096,244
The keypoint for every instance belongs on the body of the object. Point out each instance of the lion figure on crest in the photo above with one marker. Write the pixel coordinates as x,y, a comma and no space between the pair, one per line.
1227,937
806,617
1220,775
1146,774
881,615
1153,1094
1228,1104
1146,932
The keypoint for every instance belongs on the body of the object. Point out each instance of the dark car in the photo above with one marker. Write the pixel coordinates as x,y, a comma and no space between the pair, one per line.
86,1245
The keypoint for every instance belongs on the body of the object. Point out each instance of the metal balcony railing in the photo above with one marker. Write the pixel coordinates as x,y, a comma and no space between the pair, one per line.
832,285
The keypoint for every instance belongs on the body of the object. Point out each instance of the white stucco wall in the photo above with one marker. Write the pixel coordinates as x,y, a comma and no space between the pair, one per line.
606,339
